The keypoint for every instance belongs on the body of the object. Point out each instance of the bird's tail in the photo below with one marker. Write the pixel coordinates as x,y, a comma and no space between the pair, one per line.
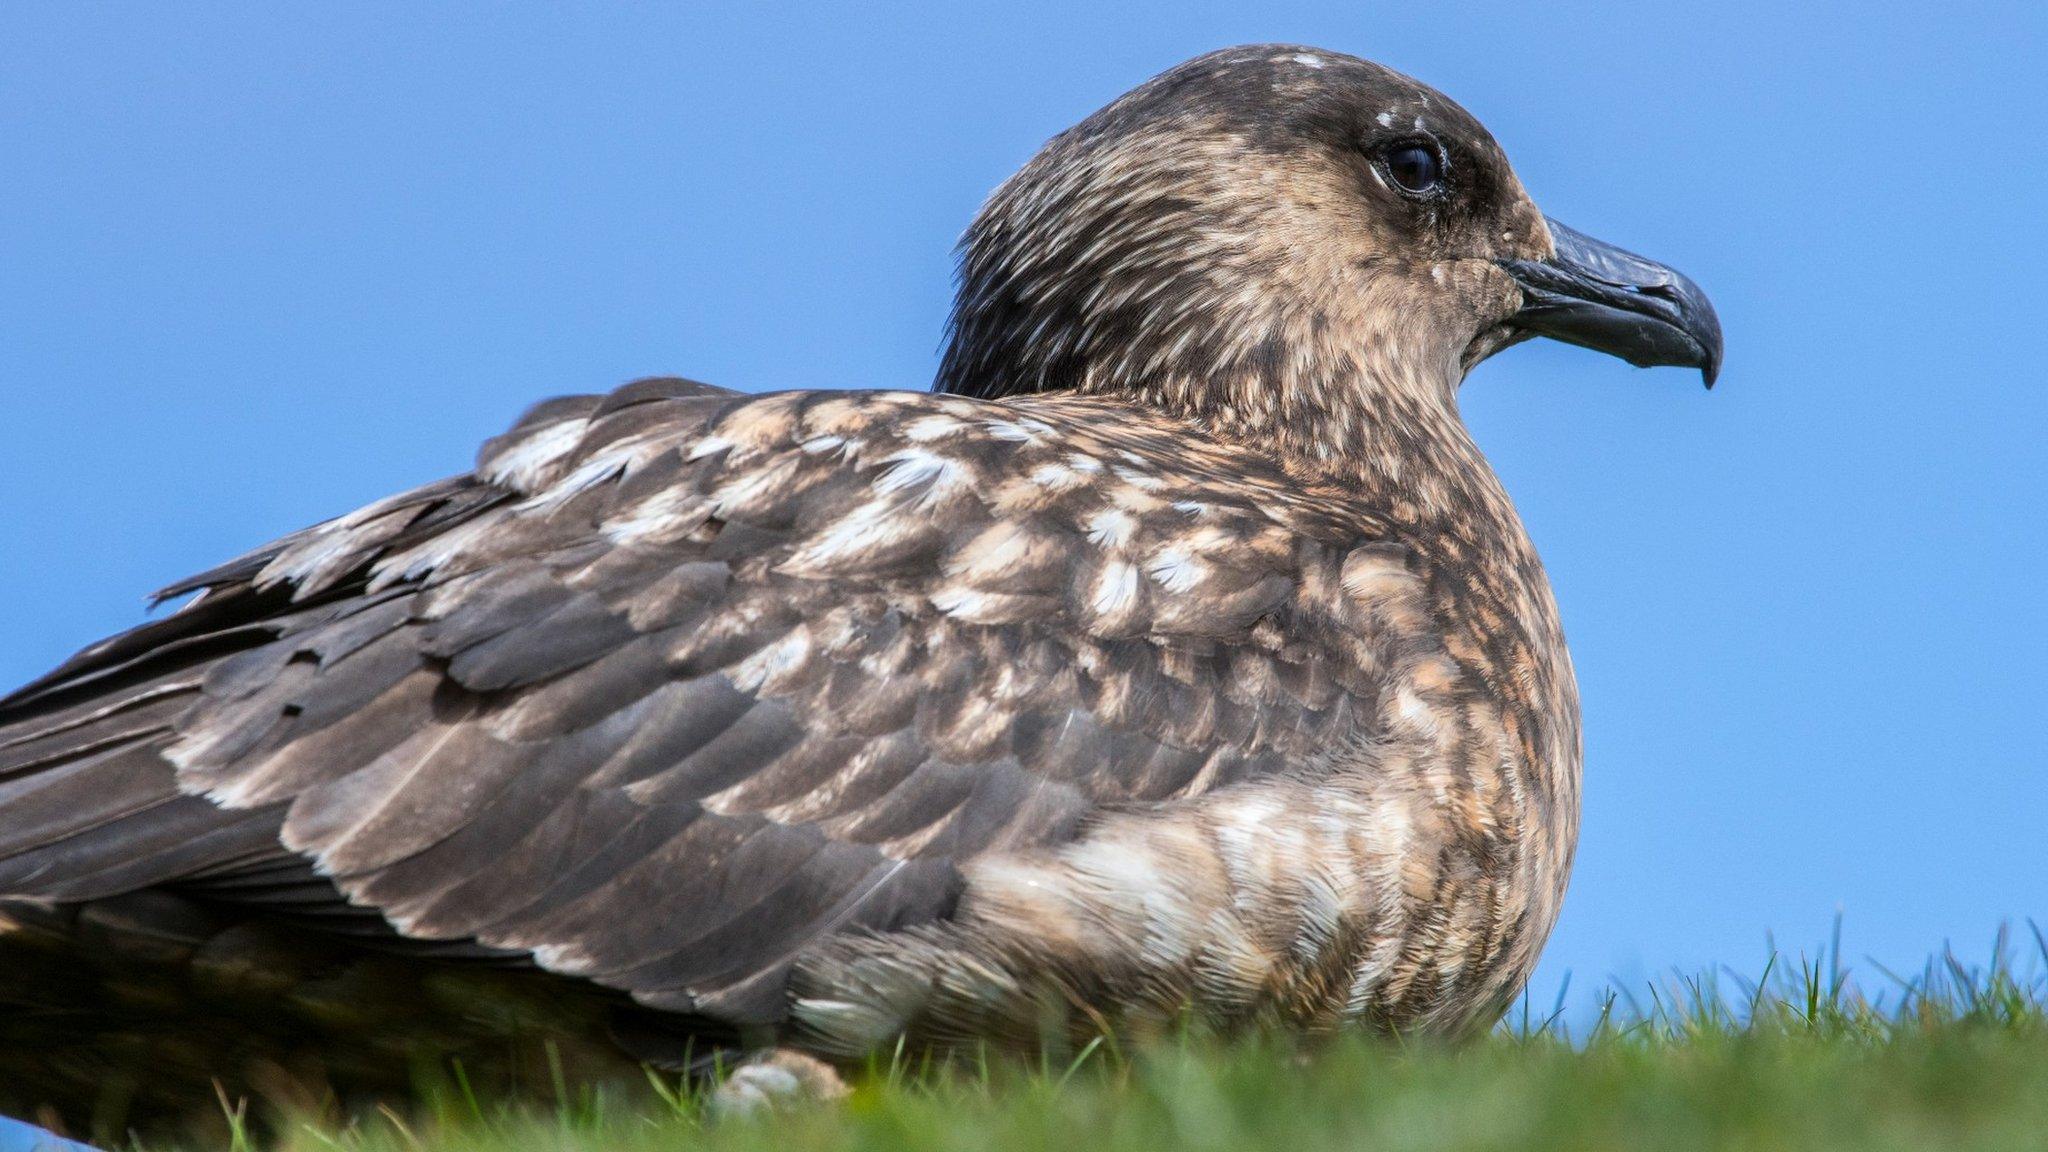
145,1013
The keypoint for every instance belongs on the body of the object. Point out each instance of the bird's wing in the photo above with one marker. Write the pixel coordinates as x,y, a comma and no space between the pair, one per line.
680,681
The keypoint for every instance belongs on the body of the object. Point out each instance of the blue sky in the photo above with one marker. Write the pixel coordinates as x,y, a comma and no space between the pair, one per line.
261,264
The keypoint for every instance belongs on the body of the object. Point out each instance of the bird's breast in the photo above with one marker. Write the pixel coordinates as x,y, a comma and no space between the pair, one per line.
1409,881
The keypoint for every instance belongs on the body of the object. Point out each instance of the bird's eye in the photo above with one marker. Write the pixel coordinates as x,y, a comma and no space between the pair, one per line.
1416,167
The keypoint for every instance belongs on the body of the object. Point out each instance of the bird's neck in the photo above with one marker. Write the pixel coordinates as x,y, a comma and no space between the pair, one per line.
1383,427
1336,394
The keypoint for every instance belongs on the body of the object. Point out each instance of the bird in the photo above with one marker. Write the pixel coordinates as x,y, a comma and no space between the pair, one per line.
1177,653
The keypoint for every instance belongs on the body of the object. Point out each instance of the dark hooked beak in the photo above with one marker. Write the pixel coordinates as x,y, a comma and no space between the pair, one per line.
1597,296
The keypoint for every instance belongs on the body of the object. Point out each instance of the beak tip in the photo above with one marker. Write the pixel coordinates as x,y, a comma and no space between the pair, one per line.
1709,327
1706,326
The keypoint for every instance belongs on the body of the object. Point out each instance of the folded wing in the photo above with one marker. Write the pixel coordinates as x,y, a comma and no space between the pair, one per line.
679,682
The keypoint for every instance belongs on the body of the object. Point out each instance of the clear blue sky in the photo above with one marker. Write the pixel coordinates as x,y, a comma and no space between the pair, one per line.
260,264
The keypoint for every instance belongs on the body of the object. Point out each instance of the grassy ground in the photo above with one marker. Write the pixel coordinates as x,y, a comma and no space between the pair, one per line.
1803,1058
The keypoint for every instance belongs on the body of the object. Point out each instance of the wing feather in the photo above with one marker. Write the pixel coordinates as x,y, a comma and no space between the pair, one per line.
678,683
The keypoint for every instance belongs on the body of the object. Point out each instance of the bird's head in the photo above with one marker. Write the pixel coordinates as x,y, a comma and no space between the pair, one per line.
1267,233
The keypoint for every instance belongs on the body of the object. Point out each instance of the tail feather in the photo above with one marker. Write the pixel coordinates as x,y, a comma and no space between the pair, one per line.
123,1014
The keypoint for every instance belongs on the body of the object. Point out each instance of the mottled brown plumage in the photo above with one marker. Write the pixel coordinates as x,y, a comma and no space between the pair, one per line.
1181,653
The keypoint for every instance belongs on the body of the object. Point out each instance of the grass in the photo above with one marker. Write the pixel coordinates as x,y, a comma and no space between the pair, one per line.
1804,1056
